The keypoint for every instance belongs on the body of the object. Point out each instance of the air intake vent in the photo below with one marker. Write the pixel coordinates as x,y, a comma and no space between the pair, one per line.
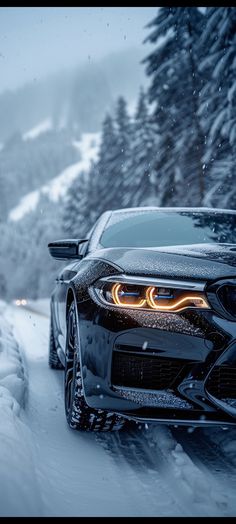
143,371
222,382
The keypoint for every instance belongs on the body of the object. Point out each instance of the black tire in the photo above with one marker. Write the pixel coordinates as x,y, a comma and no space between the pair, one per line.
79,415
53,359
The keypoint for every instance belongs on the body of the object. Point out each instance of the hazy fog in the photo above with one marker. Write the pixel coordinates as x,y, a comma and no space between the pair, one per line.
35,41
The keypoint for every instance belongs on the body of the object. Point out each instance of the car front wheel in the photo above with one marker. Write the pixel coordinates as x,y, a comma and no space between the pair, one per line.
79,415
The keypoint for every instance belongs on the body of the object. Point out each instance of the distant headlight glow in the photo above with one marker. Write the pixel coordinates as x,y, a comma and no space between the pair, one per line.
21,302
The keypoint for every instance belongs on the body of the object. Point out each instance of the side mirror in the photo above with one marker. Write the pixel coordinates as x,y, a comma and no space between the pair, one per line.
66,249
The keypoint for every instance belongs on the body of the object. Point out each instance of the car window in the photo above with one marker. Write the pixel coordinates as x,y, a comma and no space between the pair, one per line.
156,229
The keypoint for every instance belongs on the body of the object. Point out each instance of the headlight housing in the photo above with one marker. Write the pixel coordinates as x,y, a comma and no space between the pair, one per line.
150,294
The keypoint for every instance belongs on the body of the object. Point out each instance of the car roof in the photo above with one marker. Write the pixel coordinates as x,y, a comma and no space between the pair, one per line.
169,210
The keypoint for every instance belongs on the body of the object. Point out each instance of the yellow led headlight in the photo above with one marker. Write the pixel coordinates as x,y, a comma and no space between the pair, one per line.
177,304
164,296
122,297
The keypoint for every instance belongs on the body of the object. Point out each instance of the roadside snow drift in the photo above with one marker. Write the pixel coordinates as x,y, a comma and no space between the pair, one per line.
18,490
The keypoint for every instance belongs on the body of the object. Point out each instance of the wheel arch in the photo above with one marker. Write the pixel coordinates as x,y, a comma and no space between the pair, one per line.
69,299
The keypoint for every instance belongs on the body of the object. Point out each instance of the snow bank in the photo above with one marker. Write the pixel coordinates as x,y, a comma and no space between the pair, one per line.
18,489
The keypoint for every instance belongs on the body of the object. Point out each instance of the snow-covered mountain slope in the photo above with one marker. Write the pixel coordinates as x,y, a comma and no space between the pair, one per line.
57,187
42,127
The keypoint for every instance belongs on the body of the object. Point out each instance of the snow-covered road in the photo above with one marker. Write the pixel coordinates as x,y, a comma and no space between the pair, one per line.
141,471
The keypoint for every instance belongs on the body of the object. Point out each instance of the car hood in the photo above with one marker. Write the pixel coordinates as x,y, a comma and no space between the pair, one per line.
196,261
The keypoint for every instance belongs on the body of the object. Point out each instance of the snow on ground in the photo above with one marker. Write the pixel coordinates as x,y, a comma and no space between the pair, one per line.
141,471
58,186
40,306
19,493
34,132
225,440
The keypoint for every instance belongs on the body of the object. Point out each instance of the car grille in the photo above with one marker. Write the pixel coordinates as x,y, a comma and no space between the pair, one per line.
227,297
144,371
222,382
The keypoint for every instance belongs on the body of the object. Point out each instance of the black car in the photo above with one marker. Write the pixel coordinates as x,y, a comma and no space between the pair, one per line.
143,318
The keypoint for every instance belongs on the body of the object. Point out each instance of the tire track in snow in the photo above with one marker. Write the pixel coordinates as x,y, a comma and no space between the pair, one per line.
156,461
145,472
225,441
210,459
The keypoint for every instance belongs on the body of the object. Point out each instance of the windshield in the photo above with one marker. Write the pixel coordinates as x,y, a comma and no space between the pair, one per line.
156,229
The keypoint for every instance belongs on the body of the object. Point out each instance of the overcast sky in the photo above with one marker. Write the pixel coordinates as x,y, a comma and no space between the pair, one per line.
35,41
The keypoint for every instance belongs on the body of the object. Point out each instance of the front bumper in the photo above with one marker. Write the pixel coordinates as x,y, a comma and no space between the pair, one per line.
194,343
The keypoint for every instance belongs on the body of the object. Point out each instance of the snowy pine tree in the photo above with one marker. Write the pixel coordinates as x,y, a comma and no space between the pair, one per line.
81,203
108,167
218,106
175,86
113,158
124,130
72,206
3,211
98,190
141,181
